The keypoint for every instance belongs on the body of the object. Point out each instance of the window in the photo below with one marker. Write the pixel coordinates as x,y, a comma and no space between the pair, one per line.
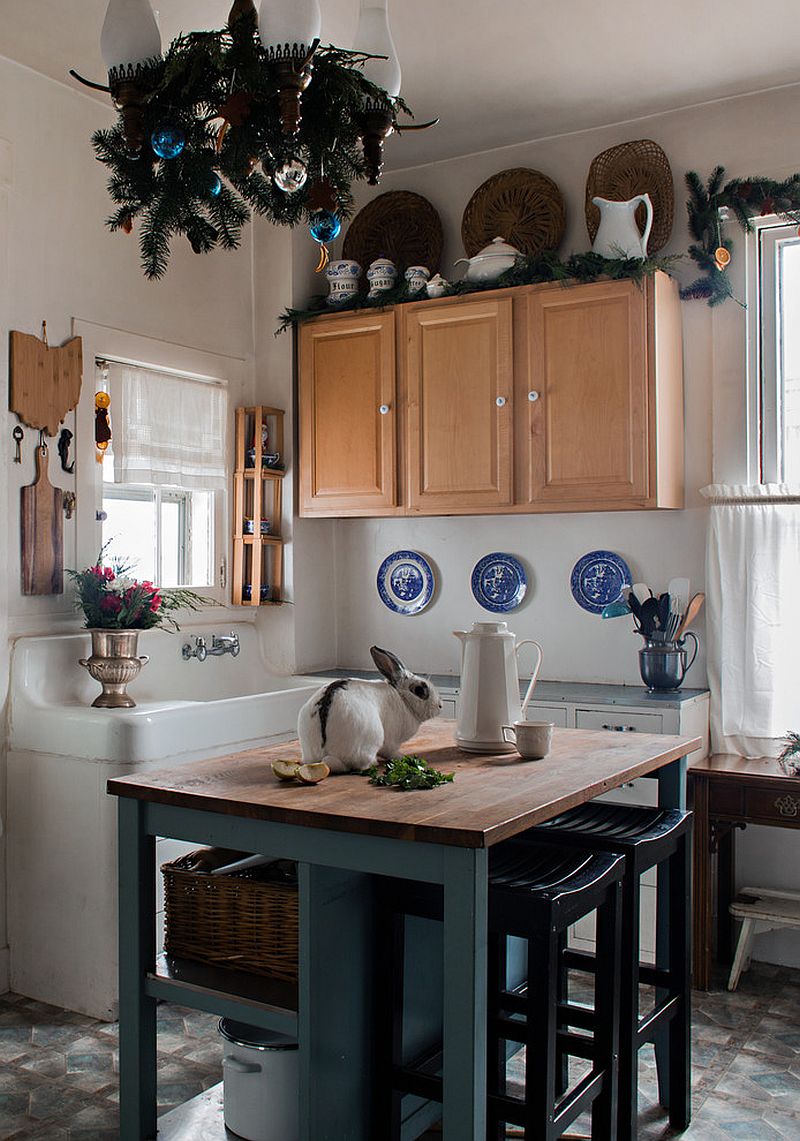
164,474
779,355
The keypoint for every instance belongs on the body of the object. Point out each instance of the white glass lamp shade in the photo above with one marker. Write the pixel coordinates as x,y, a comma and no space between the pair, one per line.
130,35
374,36
289,27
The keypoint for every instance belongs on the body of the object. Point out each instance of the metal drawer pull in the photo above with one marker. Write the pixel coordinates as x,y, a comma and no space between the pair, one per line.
788,805
384,408
532,396
500,402
621,728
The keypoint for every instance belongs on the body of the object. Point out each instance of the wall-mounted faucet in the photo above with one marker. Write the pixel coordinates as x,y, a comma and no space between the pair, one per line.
227,644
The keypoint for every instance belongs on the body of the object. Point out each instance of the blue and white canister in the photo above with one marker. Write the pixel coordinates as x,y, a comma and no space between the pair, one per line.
381,275
417,278
342,280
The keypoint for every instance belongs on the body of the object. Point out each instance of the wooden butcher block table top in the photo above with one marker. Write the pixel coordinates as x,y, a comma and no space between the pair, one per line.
492,797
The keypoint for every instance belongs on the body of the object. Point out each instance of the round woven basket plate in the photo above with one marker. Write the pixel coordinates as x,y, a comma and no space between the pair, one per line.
399,225
524,207
622,172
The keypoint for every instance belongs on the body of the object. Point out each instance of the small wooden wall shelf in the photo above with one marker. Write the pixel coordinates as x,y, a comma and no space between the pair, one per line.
257,578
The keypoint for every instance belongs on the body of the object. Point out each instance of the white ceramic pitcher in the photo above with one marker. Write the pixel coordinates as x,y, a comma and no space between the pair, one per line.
618,235
490,686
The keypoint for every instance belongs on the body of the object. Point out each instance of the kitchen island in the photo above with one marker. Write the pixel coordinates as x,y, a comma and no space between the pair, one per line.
343,832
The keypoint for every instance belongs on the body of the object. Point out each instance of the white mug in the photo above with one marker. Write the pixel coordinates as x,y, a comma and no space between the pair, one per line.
532,739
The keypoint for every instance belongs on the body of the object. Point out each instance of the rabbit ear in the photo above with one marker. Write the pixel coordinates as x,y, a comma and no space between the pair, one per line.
389,665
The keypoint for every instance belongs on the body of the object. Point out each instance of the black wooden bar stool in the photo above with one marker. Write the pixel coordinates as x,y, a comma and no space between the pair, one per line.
647,837
536,892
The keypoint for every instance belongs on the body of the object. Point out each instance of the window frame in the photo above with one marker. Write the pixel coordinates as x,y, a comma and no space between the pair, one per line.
104,342
143,493
765,408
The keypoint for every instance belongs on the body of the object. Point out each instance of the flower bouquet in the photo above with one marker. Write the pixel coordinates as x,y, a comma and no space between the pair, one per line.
111,599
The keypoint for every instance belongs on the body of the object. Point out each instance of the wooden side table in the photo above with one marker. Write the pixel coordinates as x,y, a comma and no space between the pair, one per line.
730,792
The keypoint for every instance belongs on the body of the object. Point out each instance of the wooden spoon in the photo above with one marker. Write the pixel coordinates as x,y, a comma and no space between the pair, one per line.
692,610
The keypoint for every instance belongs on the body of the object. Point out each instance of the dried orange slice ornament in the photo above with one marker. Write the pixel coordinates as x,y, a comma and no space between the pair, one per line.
722,257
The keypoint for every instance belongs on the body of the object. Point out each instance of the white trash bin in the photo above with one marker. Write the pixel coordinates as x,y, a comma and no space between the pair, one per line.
261,1083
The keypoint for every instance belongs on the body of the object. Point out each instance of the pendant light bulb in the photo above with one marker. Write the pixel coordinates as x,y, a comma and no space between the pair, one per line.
374,36
130,36
289,27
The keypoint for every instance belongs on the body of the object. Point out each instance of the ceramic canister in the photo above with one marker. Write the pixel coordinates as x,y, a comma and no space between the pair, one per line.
416,277
381,276
342,278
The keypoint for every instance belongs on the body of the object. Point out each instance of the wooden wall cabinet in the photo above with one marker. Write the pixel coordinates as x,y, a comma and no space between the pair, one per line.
257,578
347,415
539,398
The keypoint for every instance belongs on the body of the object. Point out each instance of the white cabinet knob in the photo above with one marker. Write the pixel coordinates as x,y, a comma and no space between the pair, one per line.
384,409
500,402
532,396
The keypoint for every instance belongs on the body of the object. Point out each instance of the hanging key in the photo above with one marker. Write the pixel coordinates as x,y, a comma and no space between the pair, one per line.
19,436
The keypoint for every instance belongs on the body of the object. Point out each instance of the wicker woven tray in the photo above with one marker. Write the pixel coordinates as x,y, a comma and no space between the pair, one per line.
524,207
399,225
245,921
622,172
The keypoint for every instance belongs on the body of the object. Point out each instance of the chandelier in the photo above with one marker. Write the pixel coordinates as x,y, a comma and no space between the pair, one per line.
257,117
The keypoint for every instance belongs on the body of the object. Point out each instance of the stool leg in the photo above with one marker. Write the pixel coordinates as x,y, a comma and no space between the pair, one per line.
629,1008
607,1014
541,1022
742,955
562,1058
680,1046
389,1038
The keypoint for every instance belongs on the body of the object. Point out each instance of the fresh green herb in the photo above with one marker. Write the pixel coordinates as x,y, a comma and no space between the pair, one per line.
407,773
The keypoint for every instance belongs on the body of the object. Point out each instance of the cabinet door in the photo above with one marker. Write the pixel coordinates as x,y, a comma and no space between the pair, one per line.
587,417
457,360
348,416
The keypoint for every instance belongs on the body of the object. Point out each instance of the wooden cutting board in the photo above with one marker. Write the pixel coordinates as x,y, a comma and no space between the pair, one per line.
42,515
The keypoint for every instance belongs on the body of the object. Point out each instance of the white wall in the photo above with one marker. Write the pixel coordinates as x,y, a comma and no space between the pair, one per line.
755,134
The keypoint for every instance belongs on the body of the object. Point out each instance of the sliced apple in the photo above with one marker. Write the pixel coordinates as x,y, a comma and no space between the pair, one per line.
313,773
285,770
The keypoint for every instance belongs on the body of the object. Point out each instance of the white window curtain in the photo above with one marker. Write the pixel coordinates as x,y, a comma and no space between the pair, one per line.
168,431
753,616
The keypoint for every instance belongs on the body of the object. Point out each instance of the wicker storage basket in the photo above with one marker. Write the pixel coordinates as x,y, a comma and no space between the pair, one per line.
244,921
523,206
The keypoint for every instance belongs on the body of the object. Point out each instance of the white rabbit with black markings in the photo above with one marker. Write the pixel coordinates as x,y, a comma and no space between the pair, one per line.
349,723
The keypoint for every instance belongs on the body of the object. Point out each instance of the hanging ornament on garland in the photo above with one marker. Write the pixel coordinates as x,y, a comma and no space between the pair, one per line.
722,257
234,112
127,223
168,140
324,227
290,177
215,187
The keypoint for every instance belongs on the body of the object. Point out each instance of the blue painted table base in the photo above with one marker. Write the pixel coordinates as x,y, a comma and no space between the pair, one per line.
336,970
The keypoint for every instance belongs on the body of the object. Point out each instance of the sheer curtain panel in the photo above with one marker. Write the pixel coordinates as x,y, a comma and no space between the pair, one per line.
168,431
753,616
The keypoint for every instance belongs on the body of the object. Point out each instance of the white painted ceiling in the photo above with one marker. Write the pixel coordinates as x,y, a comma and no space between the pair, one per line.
495,71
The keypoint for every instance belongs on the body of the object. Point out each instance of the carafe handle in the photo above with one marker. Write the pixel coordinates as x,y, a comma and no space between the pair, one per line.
534,675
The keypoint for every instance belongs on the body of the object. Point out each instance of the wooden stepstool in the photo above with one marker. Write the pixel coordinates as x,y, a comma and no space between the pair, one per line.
760,909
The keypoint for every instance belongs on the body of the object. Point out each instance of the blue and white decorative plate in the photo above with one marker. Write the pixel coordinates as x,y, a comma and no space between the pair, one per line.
499,582
598,578
405,582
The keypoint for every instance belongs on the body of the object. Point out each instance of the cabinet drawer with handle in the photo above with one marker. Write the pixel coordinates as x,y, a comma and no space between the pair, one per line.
618,722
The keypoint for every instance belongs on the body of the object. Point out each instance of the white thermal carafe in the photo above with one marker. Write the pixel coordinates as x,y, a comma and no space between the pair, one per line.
490,686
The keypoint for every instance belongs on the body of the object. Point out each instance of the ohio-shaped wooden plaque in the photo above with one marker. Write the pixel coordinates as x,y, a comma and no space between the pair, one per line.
45,382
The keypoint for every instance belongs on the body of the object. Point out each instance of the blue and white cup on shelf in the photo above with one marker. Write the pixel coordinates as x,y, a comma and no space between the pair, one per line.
381,275
342,279
247,592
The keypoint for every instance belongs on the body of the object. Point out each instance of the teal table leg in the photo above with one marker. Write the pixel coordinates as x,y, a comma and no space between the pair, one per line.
465,925
671,794
137,1012
337,975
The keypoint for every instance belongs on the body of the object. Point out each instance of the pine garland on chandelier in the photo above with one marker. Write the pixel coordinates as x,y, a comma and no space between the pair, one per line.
215,150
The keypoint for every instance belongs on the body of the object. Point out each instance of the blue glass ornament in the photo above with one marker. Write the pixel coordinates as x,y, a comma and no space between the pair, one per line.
324,226
215,189
168,140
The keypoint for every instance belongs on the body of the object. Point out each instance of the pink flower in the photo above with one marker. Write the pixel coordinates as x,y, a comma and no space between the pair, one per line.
155,602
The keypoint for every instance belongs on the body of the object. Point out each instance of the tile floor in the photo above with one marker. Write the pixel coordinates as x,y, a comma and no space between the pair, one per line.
58,1070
